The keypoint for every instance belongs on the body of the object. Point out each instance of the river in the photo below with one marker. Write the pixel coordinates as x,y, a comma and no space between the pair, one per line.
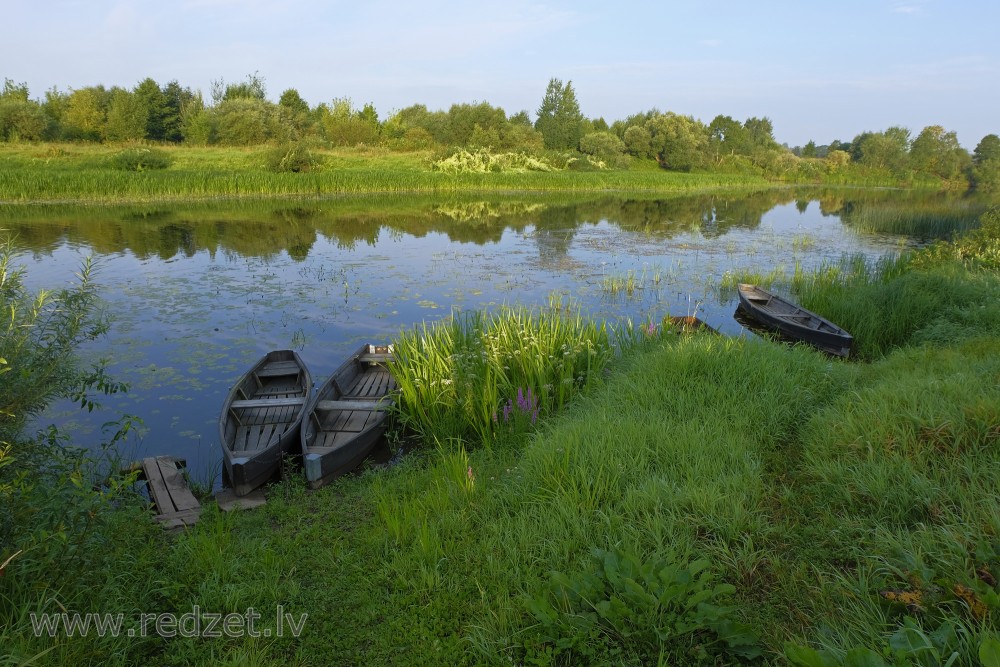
198,292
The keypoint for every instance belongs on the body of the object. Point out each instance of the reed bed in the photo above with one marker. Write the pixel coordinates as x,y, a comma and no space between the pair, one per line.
931,220
99,185
478,374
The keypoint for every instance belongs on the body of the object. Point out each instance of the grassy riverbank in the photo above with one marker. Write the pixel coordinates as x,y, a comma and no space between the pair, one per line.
66,173
709,500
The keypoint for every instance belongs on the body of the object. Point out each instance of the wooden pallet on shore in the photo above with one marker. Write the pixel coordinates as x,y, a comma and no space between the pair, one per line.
174,503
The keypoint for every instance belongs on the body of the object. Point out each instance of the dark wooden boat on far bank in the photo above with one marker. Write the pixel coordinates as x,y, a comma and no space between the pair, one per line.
346,418
261,418
776,312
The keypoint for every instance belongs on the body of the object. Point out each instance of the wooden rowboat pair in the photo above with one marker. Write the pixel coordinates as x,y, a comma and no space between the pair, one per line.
263,416
778,313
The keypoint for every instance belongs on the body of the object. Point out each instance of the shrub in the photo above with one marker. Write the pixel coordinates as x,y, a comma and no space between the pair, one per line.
622,609
604,147
140,159
294,157
484,161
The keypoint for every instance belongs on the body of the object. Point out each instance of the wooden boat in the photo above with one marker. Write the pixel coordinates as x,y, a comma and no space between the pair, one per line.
261,418
347,416
794,321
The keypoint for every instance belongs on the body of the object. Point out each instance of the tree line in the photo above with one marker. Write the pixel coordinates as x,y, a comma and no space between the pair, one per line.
240,114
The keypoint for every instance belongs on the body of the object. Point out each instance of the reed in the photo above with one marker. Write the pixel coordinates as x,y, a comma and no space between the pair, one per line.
928,220
475,374
627,284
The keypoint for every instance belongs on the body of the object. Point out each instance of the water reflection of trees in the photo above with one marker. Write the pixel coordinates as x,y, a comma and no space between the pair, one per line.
266,229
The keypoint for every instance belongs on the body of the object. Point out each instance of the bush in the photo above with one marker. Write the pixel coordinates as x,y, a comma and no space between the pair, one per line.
484,161
585,163
294,158
38,343
140,159
61,529
623,609
605,147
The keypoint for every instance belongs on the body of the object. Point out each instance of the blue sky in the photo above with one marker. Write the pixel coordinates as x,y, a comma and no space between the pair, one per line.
819,69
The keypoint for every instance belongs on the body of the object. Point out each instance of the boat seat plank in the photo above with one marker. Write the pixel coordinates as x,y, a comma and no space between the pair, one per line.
353,404
278,369
268,402
375,357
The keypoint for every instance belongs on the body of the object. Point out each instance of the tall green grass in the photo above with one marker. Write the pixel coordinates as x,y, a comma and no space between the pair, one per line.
933,220
888,304
470,376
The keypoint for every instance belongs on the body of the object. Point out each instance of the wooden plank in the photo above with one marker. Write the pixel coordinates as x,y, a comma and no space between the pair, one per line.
266,433
172,499
356,422
375,357
278,369
352,386
355,404
370,386
330,441
228,500
335,419
157,487
177,520
177,487
268,402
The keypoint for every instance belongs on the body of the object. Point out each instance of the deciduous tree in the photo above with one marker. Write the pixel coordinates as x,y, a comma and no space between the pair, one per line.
85,114
679,142
604,146
343,125
882,150
986,164
127,116
21,119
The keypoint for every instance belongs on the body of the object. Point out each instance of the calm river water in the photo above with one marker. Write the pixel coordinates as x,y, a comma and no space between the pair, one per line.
199,292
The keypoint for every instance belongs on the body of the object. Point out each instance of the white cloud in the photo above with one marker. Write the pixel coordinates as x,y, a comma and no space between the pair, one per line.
907,8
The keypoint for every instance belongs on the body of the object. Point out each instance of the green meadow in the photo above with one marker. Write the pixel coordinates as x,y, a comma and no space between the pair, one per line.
91,173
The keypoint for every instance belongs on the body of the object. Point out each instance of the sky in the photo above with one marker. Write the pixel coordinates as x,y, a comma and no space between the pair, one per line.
819,69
